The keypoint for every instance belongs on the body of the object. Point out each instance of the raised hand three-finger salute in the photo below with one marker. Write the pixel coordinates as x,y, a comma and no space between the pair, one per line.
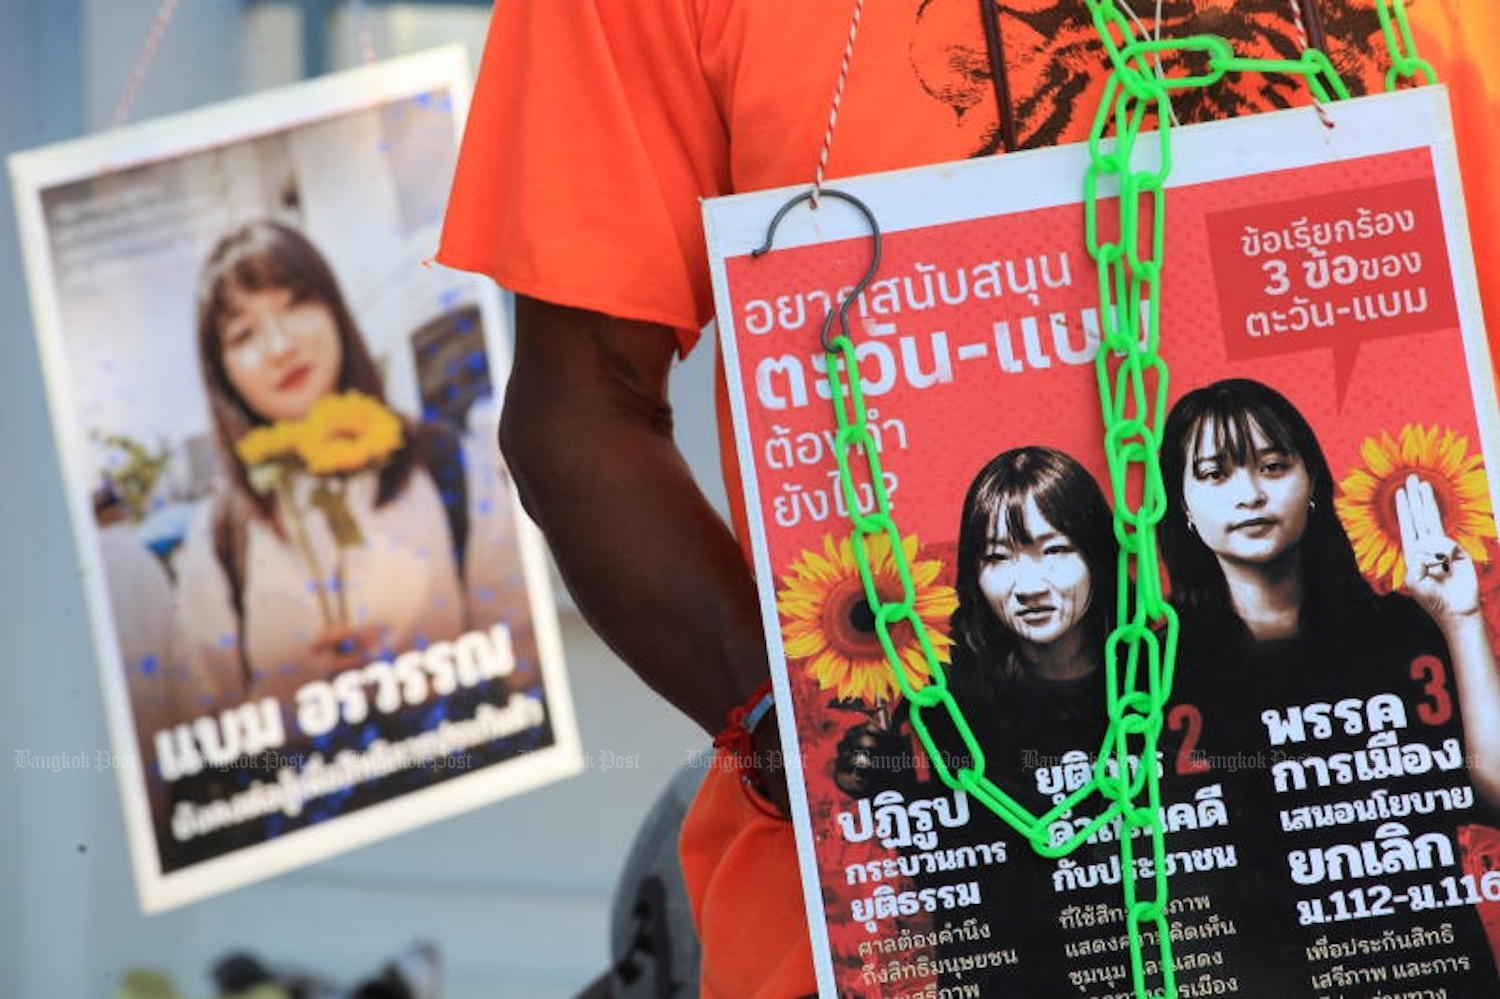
1441,577
1439,573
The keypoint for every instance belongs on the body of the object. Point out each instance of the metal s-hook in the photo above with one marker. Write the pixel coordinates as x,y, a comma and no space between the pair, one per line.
864,282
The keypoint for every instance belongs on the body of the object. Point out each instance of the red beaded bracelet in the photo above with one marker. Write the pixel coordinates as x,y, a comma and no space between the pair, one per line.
735,741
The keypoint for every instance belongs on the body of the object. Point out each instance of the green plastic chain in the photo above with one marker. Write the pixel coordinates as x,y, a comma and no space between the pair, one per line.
1140,653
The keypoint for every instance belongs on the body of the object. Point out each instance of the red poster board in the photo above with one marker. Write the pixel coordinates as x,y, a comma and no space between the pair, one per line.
1330,267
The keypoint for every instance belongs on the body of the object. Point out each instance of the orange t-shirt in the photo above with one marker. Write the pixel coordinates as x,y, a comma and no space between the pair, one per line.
598,124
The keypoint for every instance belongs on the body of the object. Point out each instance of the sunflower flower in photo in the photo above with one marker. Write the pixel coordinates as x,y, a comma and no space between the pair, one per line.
269,454
1366,501
269,443
827,624
348,432
341,435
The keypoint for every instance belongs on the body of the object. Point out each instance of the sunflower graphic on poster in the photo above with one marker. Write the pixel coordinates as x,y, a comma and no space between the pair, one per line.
1443,459
830,630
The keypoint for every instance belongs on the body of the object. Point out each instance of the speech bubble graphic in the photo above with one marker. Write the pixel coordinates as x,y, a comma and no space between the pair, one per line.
1333,271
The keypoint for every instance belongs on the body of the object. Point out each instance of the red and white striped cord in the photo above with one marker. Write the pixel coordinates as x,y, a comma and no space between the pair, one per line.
838,98
1302,40
143,63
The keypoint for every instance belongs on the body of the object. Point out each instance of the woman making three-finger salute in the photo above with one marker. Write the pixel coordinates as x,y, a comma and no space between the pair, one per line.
1259,561
1276,617
1441,577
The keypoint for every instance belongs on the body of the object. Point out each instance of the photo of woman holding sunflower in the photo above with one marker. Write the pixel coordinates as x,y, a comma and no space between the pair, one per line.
1276,613
341,534
320,616
344,531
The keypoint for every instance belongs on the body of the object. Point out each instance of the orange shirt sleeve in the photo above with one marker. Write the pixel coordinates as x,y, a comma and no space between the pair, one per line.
592,134
740,868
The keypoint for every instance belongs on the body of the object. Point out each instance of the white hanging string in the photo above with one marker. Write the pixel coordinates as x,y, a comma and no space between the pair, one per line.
1155,34
143,62
838,98
1302,40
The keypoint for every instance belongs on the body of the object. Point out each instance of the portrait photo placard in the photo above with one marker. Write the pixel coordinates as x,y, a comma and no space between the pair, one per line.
319,614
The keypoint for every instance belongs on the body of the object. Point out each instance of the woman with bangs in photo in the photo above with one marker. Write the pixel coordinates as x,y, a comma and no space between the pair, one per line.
1036,566
410,544
275,338
1276,614
1037,558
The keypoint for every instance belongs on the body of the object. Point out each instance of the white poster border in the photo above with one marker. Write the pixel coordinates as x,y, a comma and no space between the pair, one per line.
170,137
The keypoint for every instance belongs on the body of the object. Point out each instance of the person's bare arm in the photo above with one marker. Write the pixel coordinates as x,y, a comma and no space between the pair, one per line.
587,433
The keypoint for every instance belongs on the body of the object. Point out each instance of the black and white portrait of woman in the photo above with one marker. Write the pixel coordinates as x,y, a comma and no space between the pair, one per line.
1035,578
1257,556
1035,581
1276,618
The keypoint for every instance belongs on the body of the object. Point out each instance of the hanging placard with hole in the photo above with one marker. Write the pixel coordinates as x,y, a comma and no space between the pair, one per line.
1021,763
